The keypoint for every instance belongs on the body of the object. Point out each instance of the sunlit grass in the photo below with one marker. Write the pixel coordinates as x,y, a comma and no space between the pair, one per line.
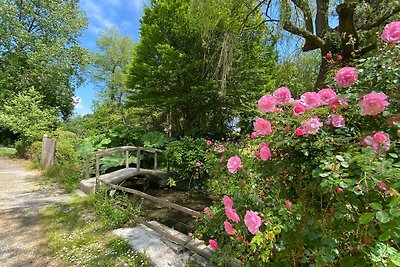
79,235
7,152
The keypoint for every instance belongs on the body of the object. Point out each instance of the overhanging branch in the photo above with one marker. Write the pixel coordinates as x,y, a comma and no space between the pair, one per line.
381,19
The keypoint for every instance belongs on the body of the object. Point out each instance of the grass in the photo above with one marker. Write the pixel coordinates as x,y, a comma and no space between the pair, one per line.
79,233
7,152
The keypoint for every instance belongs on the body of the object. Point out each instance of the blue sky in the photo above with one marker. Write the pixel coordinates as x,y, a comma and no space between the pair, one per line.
102,14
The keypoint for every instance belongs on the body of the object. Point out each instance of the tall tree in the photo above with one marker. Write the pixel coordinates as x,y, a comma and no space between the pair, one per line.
110,64
39,48
197,68
358,22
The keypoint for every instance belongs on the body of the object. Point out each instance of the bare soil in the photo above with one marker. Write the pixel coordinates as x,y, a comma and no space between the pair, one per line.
22,240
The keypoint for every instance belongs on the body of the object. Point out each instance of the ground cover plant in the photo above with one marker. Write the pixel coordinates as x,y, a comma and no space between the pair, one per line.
79,233
317,184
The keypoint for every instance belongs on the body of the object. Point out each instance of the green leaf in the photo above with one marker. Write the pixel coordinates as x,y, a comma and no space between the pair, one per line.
347,261
394,202
342,184
376,206
382,216
393,155
344,164
395,259
395,212
384,236
366,218
339,158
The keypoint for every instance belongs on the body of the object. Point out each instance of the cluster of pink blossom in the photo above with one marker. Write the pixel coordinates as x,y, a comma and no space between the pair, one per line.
230,212
346,76
335,120
262,127
377,141
309,126
264,153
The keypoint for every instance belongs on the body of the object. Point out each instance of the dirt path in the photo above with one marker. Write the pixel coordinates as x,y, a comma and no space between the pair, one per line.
21,199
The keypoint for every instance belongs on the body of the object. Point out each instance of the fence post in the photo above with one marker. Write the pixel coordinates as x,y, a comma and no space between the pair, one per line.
127,159
155,161
48,152
138,160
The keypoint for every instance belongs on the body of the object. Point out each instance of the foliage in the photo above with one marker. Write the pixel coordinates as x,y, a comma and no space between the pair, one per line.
25,115
325,199
39,47
109,67
77,237
186,158
7,151
352,35
182,73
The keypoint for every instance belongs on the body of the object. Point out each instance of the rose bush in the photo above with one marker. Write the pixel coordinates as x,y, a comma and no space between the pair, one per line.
318,185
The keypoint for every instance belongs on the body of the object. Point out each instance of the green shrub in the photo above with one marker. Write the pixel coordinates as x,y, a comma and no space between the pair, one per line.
187,159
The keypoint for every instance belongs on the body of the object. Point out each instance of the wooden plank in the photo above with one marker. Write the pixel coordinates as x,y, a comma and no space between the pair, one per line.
162,202
118,176
184,242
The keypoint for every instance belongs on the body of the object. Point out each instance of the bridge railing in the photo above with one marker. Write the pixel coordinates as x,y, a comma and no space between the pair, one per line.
101,153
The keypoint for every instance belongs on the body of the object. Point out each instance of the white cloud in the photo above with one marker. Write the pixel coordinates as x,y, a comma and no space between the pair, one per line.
97,15
136,5
78,103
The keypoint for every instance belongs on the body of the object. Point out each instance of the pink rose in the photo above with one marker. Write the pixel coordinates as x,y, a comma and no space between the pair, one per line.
299,109
206,210
299,132
288,203
265,152
391,33
312,125
373,103
382,185
213,244
253,135
267,103
310,100
229,228
339,101
232,214
346,76
222,159
228,202
282,95
262,127
381,137
252,221
234,164
209,142
326,96
256,154
335,120
377,141
198,164
220,149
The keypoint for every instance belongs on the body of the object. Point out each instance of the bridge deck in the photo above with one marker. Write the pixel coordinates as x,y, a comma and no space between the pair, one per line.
117,177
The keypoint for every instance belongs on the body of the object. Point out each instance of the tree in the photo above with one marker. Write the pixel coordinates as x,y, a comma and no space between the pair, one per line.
196,68
110,67
26,115
358,24
39,48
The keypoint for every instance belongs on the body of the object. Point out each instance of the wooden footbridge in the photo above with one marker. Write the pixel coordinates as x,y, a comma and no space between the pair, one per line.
90,184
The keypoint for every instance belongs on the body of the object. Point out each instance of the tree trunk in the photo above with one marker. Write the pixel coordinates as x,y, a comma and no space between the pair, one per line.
323,70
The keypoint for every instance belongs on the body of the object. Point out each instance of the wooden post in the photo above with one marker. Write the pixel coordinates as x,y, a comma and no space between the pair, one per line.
127,159
48,152
155,161
138,160
97,172
87,167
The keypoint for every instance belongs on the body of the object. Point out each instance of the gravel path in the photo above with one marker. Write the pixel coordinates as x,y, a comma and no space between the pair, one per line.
21,199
